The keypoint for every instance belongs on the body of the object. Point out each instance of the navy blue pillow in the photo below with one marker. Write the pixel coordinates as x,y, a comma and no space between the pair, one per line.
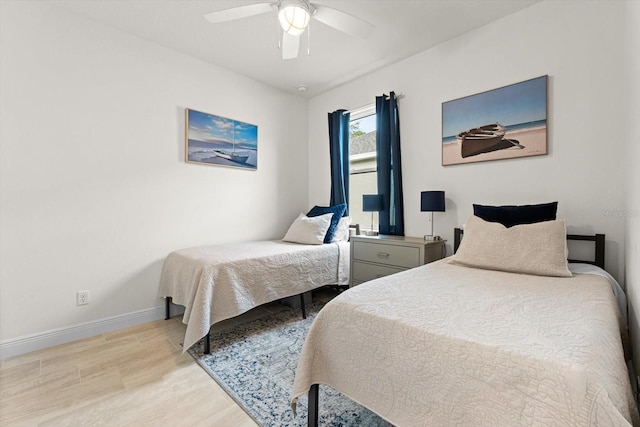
337,211
515,215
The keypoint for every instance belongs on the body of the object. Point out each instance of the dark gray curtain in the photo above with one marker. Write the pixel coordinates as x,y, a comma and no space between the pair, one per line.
391,218
339,152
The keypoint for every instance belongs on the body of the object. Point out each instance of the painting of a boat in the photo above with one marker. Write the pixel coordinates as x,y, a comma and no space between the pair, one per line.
503,123
217,140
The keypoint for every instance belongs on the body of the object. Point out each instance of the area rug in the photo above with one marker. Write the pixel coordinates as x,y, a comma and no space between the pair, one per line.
255,362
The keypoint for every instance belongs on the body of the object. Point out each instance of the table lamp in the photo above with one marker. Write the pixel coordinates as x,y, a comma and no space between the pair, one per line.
432,201
372,203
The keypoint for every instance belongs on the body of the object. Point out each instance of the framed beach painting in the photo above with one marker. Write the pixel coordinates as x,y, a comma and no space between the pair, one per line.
502,123
216,140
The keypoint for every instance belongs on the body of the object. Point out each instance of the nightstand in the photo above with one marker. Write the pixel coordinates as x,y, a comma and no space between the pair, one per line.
378,256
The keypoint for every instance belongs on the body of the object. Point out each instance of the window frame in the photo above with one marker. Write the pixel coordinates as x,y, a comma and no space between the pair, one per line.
360,113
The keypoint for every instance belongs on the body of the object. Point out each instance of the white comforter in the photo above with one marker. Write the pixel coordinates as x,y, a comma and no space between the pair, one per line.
444,345
218,282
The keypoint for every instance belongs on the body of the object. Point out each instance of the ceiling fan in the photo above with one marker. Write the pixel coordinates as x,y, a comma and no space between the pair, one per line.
294,17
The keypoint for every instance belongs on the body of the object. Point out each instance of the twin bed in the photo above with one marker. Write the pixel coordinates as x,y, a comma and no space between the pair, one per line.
461,341
219,282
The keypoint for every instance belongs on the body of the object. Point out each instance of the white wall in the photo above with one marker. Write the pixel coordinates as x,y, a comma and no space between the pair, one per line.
579,45
632,181
94,188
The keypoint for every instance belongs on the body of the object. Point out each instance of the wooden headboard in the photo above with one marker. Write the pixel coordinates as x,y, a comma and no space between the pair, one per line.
598,240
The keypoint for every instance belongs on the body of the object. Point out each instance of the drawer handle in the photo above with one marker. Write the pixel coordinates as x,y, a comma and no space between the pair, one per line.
383,255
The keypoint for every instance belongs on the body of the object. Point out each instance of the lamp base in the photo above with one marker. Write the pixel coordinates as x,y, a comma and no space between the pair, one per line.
432,238
370,233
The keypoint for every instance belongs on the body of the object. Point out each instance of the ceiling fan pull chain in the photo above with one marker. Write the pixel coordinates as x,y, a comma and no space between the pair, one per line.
309,39
279,31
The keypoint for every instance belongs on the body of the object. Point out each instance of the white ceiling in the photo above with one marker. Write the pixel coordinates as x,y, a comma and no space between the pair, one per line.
249,46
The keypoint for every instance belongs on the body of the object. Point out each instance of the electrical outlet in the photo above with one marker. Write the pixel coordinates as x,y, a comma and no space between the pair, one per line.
82,297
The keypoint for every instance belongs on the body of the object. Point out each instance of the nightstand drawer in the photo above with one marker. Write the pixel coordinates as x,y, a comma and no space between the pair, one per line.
362,272
399,256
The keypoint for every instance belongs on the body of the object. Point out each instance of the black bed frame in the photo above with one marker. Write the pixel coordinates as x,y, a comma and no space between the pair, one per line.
598,239
207,338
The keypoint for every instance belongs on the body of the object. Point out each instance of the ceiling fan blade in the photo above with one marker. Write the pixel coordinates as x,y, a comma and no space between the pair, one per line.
342,21
290,46
239,12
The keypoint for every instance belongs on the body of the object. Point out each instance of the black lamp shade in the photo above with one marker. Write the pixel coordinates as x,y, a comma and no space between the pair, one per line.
432,201
371,202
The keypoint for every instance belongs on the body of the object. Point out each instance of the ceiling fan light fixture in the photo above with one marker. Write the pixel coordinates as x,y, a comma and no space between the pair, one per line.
294,17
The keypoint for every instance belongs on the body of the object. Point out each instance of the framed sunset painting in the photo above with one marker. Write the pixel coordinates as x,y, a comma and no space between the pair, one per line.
502,123
217,140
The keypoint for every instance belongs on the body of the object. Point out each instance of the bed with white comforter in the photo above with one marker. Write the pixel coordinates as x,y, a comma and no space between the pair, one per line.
445,344
504,333
218,282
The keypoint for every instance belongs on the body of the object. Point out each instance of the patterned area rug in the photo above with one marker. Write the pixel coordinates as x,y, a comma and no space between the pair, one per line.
255,363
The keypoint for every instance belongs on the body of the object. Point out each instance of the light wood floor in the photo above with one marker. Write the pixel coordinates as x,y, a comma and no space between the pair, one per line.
133,377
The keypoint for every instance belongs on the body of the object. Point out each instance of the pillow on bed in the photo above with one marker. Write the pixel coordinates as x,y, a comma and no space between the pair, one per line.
515,215
539,249
337,211
342,230
309,231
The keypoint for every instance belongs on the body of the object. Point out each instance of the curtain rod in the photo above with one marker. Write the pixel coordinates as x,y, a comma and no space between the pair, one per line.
365,107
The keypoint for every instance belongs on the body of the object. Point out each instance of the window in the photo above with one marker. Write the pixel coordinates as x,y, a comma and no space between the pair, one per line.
363,177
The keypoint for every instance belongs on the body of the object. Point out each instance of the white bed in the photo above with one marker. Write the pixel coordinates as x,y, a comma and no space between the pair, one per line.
218,282
448,344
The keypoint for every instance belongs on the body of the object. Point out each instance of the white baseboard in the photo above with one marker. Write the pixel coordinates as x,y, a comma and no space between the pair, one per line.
38,341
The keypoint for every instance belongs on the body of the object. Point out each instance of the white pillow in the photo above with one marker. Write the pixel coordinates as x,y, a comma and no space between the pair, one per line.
539,248
308,230
342,230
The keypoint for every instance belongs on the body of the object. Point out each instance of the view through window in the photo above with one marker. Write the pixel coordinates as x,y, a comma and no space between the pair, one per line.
363,169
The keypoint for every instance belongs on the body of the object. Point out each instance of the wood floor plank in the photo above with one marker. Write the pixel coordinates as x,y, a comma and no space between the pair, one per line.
136,376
